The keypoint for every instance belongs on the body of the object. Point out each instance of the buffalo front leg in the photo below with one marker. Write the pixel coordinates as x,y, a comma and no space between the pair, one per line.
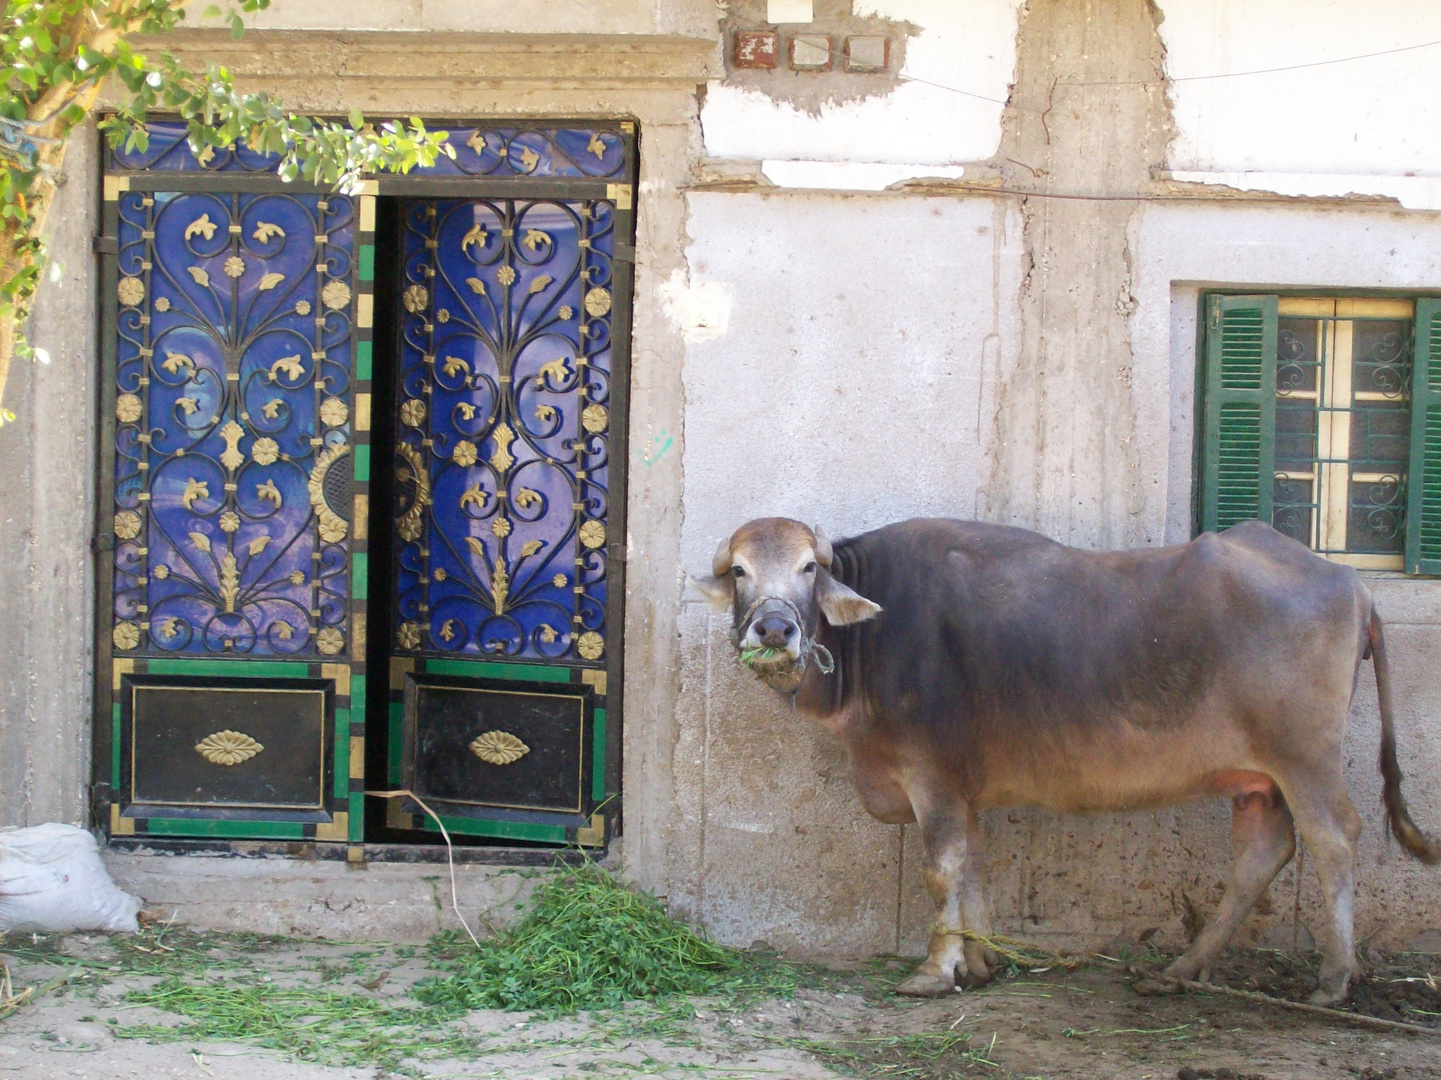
954,874
1264,839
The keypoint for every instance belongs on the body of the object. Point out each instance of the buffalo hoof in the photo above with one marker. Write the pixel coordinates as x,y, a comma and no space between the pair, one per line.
972,981
924,984
1333,990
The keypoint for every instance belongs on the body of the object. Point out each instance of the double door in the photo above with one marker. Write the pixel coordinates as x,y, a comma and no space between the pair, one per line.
365,486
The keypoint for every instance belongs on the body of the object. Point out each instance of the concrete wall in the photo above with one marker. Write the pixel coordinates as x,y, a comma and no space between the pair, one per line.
971,291
47,470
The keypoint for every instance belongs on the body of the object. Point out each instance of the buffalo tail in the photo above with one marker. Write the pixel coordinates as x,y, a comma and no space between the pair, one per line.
1423,847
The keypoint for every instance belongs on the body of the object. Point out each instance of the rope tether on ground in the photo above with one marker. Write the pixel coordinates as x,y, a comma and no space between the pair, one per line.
1030,955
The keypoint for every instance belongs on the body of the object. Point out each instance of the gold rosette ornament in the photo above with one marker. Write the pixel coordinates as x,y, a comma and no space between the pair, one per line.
335,295
498,748
227,747
130,291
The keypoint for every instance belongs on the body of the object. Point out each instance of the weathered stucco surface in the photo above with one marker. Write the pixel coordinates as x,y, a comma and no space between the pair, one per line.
47,470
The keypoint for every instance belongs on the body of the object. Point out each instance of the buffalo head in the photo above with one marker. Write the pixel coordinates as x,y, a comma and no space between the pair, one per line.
773,574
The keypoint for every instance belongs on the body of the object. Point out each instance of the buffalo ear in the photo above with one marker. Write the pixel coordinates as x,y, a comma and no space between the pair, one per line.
843,605
720,591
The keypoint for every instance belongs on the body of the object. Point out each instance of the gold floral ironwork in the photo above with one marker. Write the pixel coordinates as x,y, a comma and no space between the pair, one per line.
130,291
594,418
126,635
302,307
201,226
500,526
264,450
506,276
329,640
229,521
597,302
234,266
333,412
498,748
162,304
231,457
333,527
229,580
411,522
413,412
408,635
415,298
590,645
335,295
464,453
501,457
228,747
194,489
592,534
127,524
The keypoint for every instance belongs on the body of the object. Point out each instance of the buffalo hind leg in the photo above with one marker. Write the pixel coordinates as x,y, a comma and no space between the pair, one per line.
1264,839
954,876
1330,826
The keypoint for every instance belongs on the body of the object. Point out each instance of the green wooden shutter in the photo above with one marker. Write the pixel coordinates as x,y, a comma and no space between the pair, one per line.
1423,487
1239,430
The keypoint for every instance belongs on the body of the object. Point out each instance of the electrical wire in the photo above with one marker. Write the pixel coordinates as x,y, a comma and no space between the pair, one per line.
835,53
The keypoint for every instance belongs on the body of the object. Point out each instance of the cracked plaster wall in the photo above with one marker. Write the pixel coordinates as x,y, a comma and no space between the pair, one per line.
1064,403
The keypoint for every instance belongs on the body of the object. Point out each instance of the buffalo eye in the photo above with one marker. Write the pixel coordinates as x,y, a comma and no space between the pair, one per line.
738,571
810,568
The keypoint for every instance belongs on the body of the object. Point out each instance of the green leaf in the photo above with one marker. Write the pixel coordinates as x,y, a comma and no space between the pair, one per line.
357,119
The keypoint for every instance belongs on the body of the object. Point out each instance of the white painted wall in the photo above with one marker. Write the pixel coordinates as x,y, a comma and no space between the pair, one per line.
962,47
847,383
1353,123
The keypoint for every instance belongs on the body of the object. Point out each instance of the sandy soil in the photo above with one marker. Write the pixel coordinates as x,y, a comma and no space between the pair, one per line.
1084,1025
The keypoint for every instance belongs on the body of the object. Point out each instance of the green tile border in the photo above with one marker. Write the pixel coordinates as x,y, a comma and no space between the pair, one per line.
362,462
342,753
245,669
597,764
484,669
363,362
360,575
117,726
278,830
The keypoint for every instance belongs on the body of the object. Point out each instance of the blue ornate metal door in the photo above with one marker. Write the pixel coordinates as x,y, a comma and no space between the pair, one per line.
511,331
236,424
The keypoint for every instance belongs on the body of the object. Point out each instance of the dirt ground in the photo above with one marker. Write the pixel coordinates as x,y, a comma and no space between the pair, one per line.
170,1003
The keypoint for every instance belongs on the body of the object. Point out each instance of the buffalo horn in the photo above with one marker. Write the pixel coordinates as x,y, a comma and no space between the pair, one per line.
720,562
824,554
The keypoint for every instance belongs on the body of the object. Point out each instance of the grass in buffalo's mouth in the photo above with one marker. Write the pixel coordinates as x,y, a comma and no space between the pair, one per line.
761,654
588,941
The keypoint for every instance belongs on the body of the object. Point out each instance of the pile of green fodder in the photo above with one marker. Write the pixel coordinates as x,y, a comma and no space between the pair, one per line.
587,941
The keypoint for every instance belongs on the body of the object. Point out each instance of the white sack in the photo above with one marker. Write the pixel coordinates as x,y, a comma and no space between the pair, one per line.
51,878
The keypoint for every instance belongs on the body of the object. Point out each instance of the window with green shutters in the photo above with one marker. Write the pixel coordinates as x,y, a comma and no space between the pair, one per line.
1322,416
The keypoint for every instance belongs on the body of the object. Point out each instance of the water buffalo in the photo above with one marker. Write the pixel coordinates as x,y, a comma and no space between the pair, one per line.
968,666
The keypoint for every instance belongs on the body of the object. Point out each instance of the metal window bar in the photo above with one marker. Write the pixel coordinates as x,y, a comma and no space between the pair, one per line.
1343,390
